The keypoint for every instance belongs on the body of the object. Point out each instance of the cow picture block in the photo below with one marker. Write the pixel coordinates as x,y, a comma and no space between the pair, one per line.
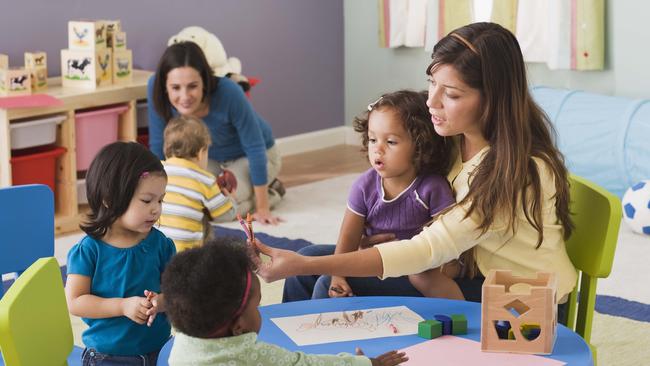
86,69
15,81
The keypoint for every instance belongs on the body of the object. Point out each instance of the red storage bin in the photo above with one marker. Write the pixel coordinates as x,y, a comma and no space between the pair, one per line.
37,165
93,130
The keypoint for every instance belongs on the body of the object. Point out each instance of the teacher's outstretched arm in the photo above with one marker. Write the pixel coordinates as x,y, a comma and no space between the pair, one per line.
286,263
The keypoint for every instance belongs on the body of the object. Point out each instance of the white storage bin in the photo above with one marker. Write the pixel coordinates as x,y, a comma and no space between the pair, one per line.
142,114
35,132
81,192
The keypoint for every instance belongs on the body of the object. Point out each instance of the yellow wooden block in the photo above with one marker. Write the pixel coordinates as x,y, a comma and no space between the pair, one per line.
4,61
15,81
118,41
122,67
86,35
35,59
38,77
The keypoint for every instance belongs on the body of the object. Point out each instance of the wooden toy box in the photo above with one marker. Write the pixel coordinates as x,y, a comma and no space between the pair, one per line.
521,303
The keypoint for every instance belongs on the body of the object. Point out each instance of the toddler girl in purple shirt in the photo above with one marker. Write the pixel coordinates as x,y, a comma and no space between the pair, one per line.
405,187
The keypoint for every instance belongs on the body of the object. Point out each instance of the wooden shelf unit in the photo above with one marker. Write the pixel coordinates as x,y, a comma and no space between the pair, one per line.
68,215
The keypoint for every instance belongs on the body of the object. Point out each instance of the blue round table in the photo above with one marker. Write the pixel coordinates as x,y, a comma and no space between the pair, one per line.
569,346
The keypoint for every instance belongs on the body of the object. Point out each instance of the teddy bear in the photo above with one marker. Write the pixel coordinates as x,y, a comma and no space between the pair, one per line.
221,64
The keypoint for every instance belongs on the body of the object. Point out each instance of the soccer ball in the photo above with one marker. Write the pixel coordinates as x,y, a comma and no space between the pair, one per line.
636,207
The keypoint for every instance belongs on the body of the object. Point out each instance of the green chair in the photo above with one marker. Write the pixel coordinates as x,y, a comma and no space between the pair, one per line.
35,325
596,214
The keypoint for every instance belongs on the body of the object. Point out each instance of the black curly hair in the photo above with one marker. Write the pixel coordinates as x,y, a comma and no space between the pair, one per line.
432,151
204,286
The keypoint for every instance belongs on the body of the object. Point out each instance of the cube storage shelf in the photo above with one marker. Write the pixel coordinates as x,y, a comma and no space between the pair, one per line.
75,100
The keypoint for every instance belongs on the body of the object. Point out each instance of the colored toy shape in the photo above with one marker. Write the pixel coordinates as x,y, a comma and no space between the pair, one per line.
429,329
446,323
458,324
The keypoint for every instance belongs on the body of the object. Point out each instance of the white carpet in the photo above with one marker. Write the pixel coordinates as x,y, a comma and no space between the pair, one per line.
312,211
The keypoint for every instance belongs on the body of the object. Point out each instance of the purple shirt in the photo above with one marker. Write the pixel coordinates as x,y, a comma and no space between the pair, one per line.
404,215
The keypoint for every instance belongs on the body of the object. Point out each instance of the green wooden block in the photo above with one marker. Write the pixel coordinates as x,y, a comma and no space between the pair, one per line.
458,324
429,329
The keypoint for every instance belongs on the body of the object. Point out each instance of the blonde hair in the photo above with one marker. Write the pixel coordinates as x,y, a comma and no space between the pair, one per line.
185,137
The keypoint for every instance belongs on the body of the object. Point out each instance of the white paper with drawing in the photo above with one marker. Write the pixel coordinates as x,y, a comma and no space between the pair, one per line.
341,326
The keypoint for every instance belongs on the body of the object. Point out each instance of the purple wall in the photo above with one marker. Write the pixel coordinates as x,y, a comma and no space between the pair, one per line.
294,46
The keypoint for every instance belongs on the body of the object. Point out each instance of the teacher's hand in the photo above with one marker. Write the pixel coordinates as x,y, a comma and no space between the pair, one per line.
283,263
265,217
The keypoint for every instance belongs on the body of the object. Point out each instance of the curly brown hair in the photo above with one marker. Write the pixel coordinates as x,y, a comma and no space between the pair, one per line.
432,151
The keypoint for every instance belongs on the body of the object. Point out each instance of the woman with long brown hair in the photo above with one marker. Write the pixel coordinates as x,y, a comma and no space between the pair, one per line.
508,177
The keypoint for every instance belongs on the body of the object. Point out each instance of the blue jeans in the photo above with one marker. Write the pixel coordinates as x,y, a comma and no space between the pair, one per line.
307,287
90,357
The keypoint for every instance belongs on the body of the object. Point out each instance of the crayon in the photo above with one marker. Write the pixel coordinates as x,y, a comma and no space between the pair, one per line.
249,221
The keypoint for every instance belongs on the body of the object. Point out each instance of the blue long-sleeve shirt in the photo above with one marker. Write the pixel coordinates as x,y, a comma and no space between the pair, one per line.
236,129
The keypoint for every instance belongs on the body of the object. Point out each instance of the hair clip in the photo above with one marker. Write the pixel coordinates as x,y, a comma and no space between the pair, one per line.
372,105
144,174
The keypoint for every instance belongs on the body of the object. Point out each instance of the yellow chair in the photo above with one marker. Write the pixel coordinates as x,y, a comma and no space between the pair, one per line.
596,214
35,325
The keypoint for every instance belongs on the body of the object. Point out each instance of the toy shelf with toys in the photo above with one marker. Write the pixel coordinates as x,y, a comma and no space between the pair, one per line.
75,103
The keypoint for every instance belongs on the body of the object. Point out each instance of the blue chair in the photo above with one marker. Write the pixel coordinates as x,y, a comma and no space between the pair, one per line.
27,233
26,227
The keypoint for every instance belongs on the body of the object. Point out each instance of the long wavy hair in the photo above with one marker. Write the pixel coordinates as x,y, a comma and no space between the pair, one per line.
488,58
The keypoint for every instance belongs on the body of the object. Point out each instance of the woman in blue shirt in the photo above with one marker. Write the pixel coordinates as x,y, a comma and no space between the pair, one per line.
242,142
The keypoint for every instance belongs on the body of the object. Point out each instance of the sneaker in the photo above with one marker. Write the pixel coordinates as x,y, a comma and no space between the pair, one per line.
277,186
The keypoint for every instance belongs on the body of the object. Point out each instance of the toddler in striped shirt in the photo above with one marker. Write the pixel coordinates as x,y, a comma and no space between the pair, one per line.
193,197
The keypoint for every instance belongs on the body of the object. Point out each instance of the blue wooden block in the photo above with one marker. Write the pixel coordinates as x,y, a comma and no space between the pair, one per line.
446,323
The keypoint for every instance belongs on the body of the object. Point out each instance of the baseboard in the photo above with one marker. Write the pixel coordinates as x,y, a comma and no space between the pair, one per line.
316,140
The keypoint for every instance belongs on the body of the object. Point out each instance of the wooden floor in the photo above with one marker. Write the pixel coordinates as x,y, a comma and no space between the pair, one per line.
322,164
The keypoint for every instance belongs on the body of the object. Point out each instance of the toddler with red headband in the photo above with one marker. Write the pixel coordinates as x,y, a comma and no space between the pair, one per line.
212,295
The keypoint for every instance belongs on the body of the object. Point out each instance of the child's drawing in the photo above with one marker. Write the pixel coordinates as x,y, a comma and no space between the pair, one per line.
349,325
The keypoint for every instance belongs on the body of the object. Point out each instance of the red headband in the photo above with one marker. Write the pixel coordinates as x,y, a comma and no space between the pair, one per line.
220,331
